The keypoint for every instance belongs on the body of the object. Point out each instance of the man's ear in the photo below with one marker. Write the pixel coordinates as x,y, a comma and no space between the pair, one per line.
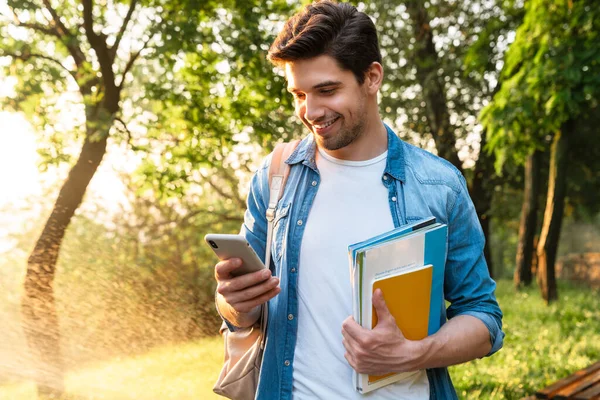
374,78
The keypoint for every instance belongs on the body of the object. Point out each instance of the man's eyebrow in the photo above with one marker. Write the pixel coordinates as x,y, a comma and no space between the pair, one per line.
318,85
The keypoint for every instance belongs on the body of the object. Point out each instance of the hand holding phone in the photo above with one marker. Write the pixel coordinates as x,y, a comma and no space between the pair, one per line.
243,282
235,246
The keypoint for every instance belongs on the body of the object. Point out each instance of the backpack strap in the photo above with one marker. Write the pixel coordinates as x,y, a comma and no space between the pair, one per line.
278,174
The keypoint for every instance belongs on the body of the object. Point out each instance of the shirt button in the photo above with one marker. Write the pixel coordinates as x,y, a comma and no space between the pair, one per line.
286,363
394,198
293,270
385,177
290,316
314,183
299,222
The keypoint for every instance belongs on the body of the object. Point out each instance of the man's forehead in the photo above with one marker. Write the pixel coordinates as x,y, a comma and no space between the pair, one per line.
314,73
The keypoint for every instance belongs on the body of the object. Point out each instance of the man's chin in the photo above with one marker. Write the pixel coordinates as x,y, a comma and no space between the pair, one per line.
328,144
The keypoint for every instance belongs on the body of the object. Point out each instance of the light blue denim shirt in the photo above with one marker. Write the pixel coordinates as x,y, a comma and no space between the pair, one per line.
419,185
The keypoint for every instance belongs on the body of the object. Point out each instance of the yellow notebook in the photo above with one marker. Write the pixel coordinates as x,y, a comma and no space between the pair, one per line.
407,296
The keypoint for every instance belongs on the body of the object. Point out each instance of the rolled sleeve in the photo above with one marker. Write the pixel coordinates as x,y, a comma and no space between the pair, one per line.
495,329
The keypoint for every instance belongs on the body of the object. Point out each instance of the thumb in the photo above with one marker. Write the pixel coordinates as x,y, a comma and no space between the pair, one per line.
383,313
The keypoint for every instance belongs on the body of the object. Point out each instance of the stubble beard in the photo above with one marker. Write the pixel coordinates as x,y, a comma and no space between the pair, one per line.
343,138
346,135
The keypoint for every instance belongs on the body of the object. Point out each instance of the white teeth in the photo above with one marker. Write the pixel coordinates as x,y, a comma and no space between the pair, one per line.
326,124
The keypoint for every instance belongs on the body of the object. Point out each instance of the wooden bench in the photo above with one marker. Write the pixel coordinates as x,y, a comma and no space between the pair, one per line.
583,384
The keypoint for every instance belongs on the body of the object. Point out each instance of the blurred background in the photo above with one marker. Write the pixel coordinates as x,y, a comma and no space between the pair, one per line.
130,129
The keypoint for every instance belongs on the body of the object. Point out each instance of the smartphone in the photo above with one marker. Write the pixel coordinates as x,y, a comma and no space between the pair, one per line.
235,246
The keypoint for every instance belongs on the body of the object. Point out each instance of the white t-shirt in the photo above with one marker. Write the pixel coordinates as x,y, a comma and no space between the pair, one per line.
351,205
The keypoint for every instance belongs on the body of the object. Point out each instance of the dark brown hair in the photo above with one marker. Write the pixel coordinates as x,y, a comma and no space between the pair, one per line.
338,30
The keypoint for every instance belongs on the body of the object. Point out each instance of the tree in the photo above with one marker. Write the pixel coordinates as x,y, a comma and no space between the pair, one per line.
53,46
528,224
57,51
550,88
221,111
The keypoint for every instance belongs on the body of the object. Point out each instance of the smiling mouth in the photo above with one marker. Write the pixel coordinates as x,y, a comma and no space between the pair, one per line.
326,124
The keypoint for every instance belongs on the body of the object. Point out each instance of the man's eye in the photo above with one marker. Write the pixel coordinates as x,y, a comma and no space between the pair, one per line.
327,91
298,96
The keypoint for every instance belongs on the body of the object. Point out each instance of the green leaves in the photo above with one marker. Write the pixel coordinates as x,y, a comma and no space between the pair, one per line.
554,54
215,103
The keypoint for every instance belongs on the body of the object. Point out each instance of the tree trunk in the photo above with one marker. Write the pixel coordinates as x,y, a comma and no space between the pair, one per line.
527,227
40,319
481,191
434,95
557,186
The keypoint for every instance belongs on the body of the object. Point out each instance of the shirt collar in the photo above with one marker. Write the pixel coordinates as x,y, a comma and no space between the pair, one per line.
395,165
305,153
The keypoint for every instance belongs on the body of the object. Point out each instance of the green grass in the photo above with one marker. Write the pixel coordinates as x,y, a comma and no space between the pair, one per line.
180,372
542,344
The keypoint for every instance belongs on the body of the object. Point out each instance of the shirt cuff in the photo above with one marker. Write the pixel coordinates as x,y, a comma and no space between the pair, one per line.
496,334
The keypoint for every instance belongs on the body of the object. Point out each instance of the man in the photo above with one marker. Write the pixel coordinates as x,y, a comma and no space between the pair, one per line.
350,179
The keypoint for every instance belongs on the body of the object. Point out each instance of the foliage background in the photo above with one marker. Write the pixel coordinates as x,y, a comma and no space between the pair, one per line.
134,282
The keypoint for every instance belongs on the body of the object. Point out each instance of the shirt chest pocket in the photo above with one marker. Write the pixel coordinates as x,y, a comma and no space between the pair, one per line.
280,231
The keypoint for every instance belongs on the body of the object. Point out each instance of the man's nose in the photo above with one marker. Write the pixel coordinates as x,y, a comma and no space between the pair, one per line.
313,111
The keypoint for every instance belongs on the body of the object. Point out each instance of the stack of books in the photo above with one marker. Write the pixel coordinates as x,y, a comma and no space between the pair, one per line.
407,264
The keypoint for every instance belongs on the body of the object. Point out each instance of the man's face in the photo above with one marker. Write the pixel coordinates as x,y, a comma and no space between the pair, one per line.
328,100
